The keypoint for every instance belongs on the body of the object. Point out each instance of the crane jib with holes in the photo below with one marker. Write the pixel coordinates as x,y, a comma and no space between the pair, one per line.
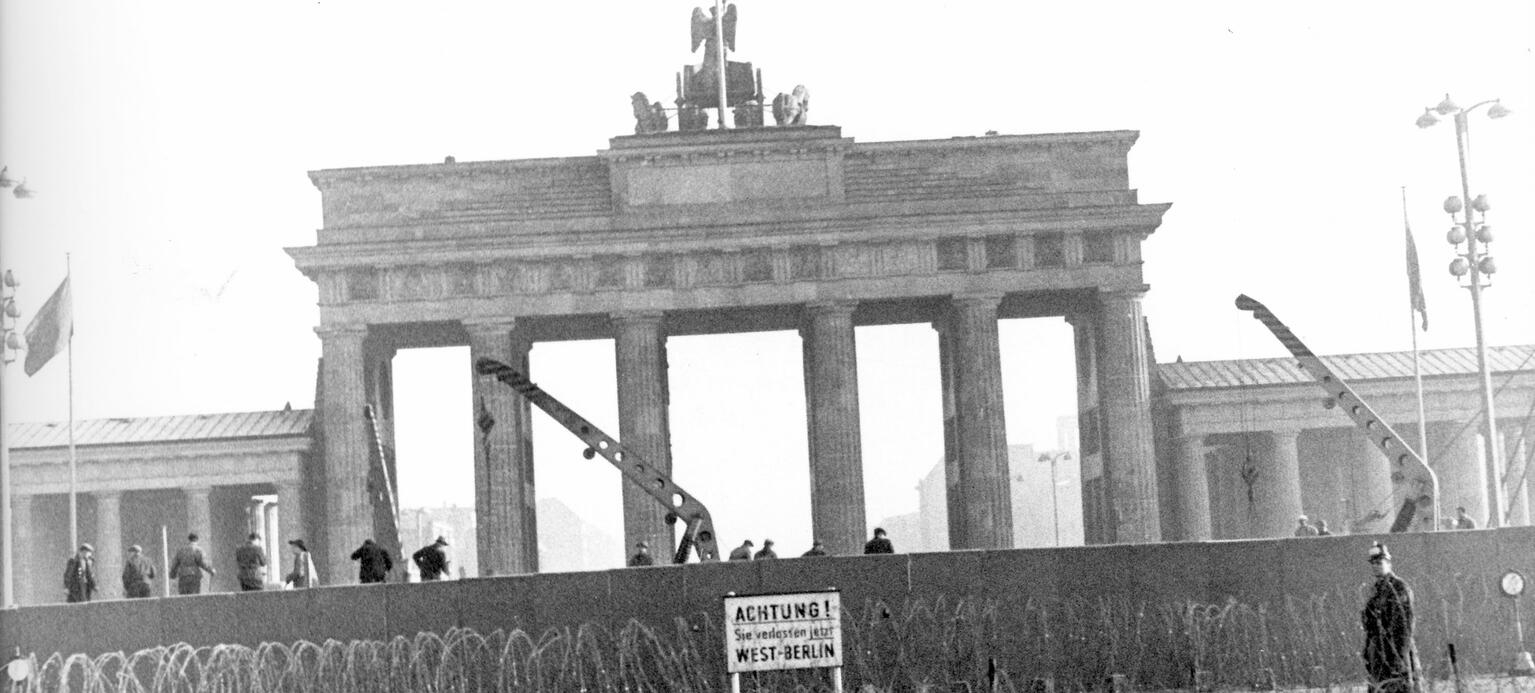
1414,481
680,505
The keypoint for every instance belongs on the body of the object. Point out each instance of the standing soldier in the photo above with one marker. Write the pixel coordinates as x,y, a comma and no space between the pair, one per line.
251,559
742,552
766,552
188,567
137,572
431,560
641,556
816,549
80,575
1390,655
373,562
879,544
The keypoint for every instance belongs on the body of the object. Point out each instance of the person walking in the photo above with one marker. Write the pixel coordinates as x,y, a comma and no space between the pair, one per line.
251,560
373,562
641,556
137,572
80,575
303,574
432,560
1390,654
766,552
1304,528
188,567
879,544
816,549
742,552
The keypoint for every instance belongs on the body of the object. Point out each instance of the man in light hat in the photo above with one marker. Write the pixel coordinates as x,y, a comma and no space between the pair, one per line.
80,575
137,572
641,556
1390,655
303,574
432,560
1303,528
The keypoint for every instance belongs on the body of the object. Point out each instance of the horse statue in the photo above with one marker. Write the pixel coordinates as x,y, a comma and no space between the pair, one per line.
792,108
648,117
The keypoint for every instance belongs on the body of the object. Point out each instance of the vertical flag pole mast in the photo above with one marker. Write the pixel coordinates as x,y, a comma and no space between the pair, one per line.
719,40
74,509
1415,292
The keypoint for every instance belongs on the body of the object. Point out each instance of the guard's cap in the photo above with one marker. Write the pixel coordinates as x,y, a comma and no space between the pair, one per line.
1302,518
1379,552
442,541
299,543
641,545
748,542
135,549
767,542
87,547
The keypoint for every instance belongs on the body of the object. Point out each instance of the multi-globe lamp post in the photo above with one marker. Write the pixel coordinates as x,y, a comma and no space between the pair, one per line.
1474,268
10,346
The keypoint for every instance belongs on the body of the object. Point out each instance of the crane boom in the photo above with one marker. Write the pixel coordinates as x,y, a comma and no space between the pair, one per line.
1407,467
699,531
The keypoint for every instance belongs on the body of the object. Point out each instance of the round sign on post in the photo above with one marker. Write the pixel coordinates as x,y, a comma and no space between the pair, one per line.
1512,584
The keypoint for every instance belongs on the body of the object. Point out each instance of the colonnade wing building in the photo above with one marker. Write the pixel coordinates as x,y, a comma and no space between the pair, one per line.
705,232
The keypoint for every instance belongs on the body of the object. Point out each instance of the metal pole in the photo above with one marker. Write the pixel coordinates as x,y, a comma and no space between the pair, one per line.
1055,503
1489,419
1417,377
74,505
7,563
165,559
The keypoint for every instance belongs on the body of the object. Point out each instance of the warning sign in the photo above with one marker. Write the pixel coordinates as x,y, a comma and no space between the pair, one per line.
767,632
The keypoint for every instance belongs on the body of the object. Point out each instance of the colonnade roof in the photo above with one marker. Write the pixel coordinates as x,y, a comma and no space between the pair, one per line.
155,429
1199,375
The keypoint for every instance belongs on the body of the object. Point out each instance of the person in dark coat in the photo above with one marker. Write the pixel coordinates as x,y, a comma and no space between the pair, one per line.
432,560
251,559
137,572
816,549
1462,520
766,552
742,552
1390,654
879,544
188,567
373,562
80,575
641,556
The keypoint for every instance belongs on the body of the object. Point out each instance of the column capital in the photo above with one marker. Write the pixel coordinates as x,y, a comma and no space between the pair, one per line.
342,331
833,306
489,324
1123,293
115,494
981,299
637,317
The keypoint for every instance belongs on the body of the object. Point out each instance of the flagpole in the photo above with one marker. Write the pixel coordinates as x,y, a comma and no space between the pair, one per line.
74,509
1417,377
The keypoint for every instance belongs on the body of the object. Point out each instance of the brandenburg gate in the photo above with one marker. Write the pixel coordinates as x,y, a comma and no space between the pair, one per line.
733,230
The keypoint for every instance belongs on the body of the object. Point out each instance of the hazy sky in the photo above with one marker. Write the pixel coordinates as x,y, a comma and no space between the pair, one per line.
168,143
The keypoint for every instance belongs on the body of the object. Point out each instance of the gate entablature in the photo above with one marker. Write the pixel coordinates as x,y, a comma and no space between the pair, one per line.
737,217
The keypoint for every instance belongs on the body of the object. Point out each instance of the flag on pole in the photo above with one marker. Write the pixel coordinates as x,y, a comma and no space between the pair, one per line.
49,332
1414,281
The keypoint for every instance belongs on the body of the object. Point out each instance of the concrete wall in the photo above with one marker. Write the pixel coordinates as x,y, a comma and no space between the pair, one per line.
1446,570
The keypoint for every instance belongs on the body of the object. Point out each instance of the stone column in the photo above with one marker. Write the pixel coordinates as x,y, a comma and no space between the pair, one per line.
348,516
24,544
1462,476
987,513
1192,490
109,543
954,494
836,453
272,545
1516,489
1124,392
200,522
290,526
1276,490
643,424
504,501
255,517
1371,489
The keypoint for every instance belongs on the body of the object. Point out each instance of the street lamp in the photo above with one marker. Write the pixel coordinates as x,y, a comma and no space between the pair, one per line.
10,347
1474,268
1055,505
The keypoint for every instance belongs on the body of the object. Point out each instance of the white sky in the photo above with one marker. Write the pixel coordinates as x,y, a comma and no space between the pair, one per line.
168,143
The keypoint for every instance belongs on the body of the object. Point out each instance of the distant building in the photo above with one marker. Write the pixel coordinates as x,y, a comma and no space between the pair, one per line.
568,543
1037,513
